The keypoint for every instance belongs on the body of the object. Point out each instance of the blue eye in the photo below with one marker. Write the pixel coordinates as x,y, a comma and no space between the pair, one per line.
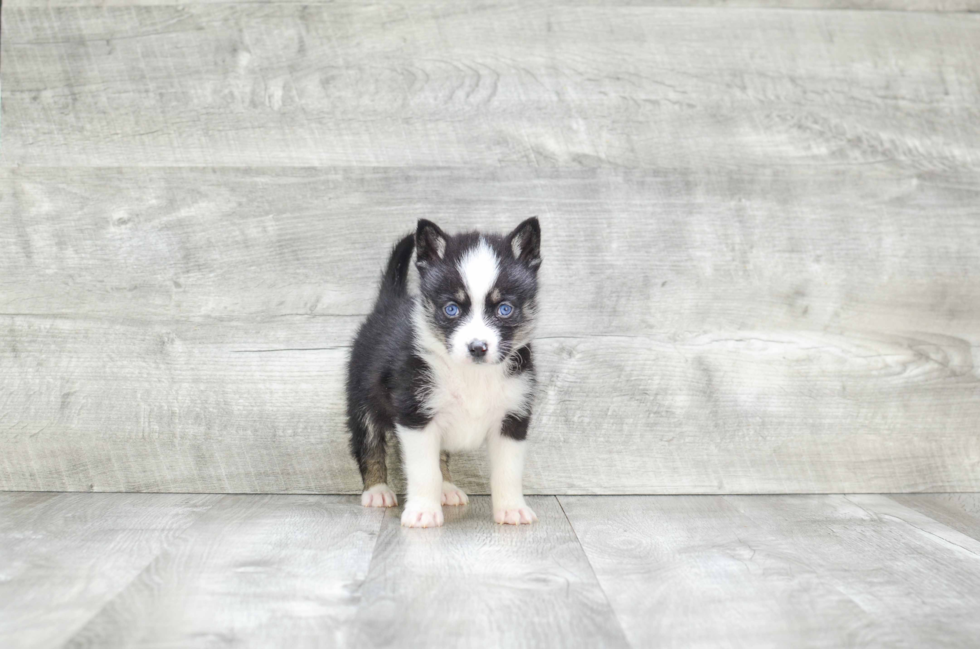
504,310
451,310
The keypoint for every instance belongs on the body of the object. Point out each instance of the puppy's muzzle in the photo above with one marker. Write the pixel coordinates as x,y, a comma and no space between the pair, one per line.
478,349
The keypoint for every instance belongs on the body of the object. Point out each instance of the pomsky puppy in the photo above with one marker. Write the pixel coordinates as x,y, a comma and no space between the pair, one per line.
448,369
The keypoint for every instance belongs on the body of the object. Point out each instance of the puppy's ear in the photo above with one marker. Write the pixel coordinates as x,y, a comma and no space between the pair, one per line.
525,242
430,243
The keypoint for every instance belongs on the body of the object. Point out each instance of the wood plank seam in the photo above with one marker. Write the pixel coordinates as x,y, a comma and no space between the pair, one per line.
595,575
194,538
943,533
163,549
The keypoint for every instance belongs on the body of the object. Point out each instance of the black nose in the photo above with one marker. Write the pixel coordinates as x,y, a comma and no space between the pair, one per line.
478,348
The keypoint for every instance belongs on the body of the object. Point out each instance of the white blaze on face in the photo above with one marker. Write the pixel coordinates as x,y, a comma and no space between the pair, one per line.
478,268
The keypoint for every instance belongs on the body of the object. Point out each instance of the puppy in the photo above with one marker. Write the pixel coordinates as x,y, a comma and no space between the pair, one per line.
448,369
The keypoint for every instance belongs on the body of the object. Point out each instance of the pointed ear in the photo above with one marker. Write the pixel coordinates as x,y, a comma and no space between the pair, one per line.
525,242
430,243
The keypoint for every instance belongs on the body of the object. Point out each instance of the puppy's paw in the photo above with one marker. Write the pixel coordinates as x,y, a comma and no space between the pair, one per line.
514,514
379,495
453,495
422,514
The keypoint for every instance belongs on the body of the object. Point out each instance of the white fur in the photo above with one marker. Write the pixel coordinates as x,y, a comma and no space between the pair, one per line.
506,472
420,457
379,495
515,247
453,495
471,401
479,269
468,403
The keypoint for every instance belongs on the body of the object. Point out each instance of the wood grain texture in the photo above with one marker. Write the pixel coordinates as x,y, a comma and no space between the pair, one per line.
255,571
434,85
761,571
65,556
626,251
512,5
960,512
105,407
473,583
761,272
142,570
181,330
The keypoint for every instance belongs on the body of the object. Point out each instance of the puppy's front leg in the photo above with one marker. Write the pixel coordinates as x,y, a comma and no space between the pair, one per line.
420,458
507,451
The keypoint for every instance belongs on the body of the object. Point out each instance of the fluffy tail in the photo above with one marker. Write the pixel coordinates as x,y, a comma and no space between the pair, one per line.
395,278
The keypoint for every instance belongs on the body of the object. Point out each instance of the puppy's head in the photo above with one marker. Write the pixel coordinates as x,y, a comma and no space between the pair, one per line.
478,291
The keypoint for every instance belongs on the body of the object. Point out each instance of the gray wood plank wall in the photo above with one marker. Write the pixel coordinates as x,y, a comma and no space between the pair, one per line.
411,86
761,236
944,6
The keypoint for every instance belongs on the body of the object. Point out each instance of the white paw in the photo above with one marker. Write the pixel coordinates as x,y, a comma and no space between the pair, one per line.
453,495
518,514
422,514
379,496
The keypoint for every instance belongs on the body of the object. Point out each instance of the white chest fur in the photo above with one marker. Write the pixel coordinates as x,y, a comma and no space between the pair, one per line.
468,402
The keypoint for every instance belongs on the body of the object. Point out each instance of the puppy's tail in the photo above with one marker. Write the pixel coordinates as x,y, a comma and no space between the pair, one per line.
395,279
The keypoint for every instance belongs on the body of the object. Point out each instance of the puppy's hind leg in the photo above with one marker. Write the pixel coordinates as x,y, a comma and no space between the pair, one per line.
451,494
368,443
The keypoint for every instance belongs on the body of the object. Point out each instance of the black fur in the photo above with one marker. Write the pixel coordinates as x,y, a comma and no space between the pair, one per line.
383,376
387,380
517,279
515,427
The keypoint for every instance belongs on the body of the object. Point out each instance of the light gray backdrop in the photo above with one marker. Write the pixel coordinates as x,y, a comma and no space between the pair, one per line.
761,235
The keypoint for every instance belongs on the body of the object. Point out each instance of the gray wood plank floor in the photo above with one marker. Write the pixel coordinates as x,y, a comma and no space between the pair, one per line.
64,558
959,511
780,571
154,570
476,583
261,571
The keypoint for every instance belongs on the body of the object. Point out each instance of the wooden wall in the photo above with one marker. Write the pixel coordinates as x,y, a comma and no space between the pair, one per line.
761,234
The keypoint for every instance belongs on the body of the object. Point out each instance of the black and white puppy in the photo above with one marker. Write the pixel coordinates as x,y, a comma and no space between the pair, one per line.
448,369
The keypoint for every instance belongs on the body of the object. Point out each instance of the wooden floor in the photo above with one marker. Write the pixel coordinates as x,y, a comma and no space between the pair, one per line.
179,570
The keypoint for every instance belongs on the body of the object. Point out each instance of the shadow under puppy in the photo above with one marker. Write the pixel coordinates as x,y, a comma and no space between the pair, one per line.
448,369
